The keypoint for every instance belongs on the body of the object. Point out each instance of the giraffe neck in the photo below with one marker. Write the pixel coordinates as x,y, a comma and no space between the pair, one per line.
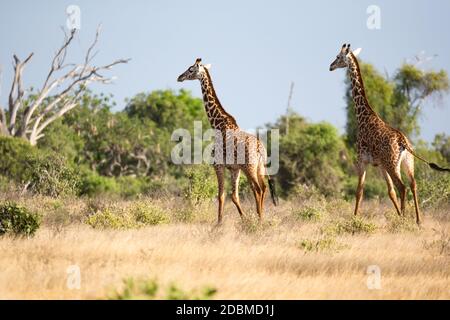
217,116
362,107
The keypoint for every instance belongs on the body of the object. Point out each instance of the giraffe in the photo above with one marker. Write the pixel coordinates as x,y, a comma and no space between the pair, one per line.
248,153
378,143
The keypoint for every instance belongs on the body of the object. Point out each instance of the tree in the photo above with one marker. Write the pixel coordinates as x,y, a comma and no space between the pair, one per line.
28,115
133,142
399,100
441,143
168,109
310,154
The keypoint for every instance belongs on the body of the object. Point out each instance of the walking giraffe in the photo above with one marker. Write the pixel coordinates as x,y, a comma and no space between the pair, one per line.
247,151
378,143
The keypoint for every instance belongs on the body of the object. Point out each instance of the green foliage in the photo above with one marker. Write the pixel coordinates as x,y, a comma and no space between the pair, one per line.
167,108
62,140
146,213
201,184
150,289
355,225
137,215
399,100
310,156
398,224
43,172
18,220
374,185
109,219
308,213
52,176
320,244
433,186
441,144
15,155
94,184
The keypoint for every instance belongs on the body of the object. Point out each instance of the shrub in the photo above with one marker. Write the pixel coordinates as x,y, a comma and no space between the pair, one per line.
93,184
43,172
108,219
355,225
374,186
433,188
397,224
321,244
201,183
150,289
308,213
146,213
52,176
135,216
18,220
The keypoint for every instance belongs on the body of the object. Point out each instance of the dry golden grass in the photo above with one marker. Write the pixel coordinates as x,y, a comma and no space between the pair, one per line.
241,260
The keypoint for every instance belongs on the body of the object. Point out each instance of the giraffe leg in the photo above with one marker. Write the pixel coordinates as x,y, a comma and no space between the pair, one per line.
360,188
221,194
408,166
262,184
391,190
235,174
253,179
397,179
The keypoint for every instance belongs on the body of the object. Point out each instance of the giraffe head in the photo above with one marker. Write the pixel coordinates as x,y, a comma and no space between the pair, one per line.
195,71
343,58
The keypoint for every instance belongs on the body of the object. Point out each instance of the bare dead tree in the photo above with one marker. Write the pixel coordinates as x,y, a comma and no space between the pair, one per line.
29,121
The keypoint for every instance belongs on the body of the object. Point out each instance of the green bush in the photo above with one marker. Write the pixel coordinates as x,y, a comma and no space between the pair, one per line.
202,183
93,184
137,215
355,225
146,213
374,186
308,213
150,289
397,224
42,172
52,176
320,244
15,159
110,219
18,220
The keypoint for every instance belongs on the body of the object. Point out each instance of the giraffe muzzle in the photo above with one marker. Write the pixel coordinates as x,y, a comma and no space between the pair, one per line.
180,78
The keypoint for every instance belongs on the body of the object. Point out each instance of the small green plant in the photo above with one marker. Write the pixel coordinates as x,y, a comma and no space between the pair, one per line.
146,213
397,224
308,213
201,184
150,289
252,225
355,225
18,220
326,243
138,215
110,219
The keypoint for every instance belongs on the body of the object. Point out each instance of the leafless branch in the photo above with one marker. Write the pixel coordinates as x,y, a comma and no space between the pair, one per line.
48,106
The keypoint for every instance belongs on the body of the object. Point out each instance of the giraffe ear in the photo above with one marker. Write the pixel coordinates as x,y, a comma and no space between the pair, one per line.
357,52
207,66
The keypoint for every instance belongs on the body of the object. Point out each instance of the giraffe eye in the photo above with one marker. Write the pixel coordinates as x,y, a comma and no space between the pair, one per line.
191,69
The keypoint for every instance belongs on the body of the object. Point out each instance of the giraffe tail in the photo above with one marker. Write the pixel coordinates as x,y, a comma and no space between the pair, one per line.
273,191
432,165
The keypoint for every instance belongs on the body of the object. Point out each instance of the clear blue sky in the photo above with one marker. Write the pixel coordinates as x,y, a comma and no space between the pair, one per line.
256,48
